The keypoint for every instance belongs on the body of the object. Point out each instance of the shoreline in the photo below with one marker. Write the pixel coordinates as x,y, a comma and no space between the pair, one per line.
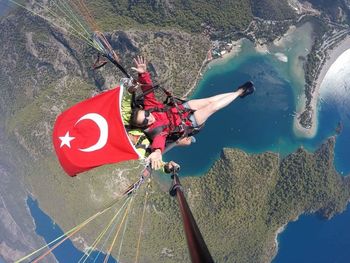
281,229
236,49
331,57
208,63
277,233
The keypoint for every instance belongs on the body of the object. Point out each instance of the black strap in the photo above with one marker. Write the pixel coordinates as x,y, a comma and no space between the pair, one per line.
170,99
139,142
182,130
99,63
137,101
152,133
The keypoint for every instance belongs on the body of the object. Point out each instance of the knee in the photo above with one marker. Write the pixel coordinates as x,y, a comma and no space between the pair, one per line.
210,109
215,106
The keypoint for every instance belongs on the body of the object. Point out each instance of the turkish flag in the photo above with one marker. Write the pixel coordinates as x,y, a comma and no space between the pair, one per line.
91,133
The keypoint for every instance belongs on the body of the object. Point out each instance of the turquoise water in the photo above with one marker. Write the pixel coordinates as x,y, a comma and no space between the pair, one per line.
335,98
264,122
257,123
311,239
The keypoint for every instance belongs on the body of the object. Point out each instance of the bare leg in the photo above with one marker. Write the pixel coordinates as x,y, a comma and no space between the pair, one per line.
197,104
204,113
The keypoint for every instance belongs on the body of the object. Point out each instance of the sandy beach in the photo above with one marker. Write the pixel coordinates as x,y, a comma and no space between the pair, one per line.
236,49
333,54
262,48
281,41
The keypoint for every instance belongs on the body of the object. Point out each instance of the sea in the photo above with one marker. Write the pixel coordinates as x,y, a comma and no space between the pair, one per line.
5,6
264,121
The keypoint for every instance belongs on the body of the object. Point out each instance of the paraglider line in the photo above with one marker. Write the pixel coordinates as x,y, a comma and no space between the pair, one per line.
79,34
69,233
116,235
98,239
141,228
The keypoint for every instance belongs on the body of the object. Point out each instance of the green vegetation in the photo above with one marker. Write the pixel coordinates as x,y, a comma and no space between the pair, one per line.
313,59
309,183
272,9
326,37
239,204
43,73
337,10
190,16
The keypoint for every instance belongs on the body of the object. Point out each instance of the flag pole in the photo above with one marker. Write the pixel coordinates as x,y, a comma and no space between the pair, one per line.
196,245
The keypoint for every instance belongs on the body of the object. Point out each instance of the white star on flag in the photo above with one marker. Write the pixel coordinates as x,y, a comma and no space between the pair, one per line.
65,140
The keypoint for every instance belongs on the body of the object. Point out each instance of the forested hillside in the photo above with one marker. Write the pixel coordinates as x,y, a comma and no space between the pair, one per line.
272,9
338,10
219,15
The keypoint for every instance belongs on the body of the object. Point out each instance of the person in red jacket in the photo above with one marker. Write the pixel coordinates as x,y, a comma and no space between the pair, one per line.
160,122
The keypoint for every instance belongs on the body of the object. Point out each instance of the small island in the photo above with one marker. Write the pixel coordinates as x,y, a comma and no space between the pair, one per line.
339,128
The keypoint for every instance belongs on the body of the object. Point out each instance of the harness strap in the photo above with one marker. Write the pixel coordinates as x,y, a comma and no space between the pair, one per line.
152,133
111,57
139,144
179,131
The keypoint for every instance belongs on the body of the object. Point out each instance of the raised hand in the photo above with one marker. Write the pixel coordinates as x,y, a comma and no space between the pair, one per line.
140,65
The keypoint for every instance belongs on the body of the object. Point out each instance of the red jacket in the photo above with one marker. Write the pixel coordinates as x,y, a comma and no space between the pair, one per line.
168,119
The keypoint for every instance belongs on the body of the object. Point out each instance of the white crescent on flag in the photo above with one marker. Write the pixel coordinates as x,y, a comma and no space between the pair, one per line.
102,125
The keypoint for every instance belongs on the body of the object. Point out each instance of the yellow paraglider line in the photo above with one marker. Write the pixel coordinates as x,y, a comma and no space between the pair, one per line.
78,34
141,228
70,232
76,28
98,239
87,15
116,235
74,18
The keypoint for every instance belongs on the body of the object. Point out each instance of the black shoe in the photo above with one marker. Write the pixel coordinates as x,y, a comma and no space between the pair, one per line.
248,88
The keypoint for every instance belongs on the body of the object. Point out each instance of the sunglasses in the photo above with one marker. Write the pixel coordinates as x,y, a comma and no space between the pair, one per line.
145,121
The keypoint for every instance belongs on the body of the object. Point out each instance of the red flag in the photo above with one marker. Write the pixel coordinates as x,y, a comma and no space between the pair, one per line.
92,133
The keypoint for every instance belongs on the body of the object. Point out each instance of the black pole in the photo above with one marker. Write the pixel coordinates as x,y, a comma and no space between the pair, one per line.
196,245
